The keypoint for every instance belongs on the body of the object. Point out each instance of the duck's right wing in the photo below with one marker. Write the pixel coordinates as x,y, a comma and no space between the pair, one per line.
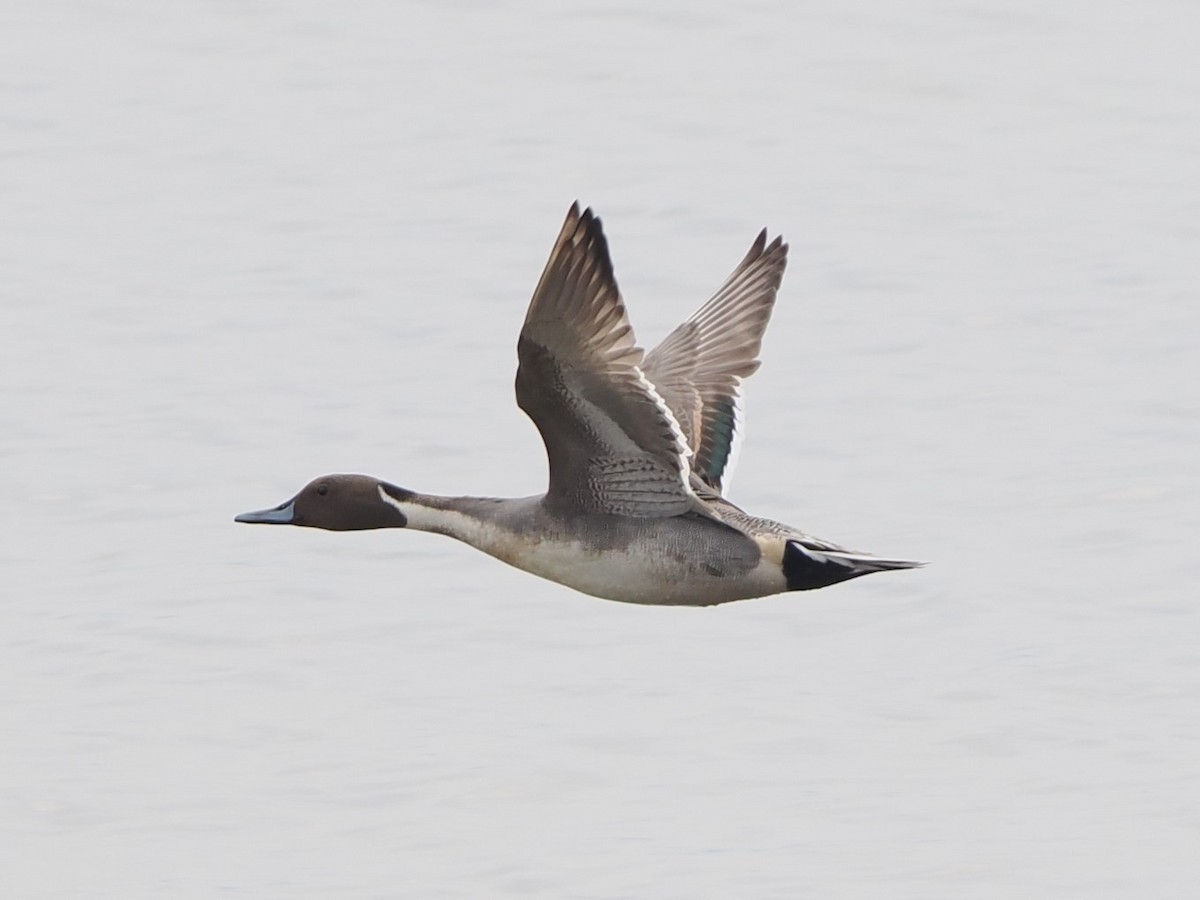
699,367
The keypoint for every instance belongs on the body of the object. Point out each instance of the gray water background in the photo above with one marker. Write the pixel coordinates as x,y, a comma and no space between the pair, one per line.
244,244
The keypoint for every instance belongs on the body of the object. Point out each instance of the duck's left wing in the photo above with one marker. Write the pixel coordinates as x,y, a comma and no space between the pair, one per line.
699,367
613,444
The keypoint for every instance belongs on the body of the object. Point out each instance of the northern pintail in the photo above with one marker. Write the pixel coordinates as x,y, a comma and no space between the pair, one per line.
639,446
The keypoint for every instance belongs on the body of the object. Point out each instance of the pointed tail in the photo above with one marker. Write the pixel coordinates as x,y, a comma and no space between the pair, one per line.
809,567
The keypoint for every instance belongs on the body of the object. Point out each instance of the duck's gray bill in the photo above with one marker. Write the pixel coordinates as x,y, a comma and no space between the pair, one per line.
280,515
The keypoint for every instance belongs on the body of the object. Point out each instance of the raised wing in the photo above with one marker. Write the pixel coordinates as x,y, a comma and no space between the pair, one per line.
699,367
613,444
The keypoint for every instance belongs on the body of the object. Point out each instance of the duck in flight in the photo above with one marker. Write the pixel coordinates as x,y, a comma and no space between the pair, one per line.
639,446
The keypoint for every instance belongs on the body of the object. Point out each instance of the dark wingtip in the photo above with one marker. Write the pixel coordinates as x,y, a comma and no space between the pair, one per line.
775,252
589,219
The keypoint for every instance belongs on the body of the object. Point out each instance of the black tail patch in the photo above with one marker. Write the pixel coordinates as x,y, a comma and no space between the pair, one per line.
807,573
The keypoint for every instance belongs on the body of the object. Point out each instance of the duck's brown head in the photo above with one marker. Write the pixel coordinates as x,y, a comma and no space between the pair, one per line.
337,503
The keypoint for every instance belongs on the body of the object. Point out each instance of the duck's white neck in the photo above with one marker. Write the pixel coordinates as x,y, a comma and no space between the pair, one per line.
473,520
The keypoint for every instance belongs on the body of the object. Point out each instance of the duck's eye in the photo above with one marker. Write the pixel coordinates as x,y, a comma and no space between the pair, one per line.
322,489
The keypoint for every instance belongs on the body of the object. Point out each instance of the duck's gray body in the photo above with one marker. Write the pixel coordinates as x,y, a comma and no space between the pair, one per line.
639,446
689,560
